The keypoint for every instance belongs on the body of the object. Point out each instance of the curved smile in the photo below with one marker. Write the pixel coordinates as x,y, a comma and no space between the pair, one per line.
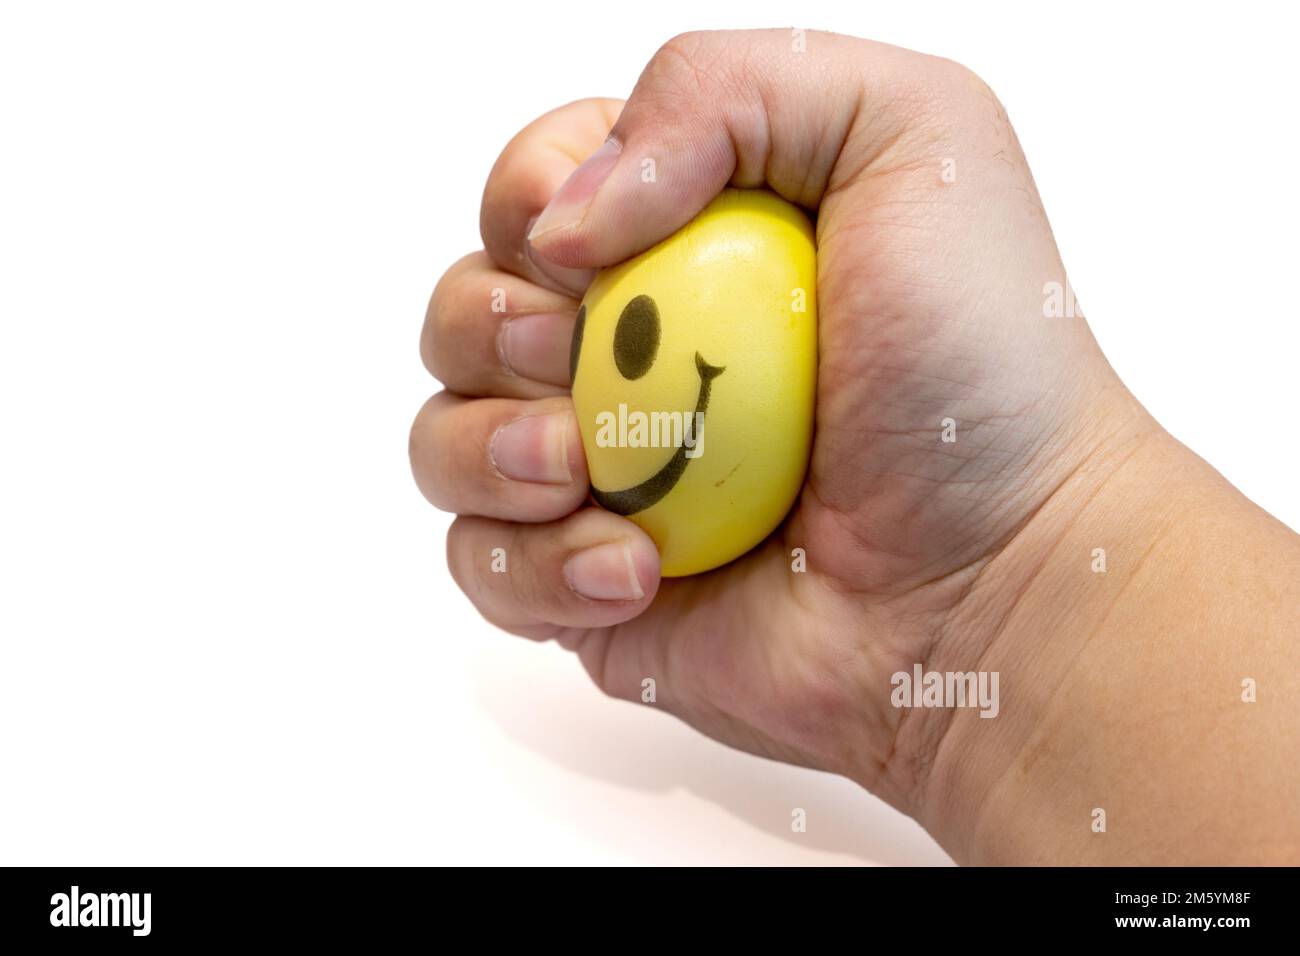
640,497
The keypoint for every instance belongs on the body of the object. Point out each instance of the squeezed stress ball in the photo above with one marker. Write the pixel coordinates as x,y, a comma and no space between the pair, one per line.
694,377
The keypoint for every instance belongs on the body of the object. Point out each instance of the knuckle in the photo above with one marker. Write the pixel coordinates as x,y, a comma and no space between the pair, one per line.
433,341
448,308
684,64
682,47
430,346
963,83
943,101
426,447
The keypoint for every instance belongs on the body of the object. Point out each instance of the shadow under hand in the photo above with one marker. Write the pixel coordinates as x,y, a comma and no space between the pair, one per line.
561,717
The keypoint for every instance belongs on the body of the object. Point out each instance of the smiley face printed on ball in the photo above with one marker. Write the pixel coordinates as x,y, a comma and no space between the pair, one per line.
636,345
694,373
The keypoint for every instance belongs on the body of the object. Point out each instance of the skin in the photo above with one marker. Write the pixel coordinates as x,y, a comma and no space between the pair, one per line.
1119,690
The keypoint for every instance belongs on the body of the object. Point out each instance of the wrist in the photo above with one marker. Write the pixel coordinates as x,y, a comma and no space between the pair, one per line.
1122,619
1029,613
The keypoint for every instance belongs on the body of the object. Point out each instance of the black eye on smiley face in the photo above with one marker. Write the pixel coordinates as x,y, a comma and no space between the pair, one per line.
636,338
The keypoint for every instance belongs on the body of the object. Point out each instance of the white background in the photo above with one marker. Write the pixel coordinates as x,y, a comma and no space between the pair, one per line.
226,631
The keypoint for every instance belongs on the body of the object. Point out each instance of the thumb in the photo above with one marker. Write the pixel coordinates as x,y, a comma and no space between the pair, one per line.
750,108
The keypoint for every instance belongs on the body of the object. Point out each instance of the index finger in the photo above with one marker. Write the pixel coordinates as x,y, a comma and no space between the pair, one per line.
526,175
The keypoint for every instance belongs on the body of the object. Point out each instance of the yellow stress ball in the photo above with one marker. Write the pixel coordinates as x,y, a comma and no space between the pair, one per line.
694,375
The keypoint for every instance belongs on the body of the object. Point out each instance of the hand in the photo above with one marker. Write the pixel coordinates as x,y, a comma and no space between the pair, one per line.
934,259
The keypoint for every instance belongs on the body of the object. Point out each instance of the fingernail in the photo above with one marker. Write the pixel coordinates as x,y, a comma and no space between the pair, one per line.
537,346
570,202
605,572
535,448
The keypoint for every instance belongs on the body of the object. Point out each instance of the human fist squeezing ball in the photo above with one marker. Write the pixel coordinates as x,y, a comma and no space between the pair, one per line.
790,418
